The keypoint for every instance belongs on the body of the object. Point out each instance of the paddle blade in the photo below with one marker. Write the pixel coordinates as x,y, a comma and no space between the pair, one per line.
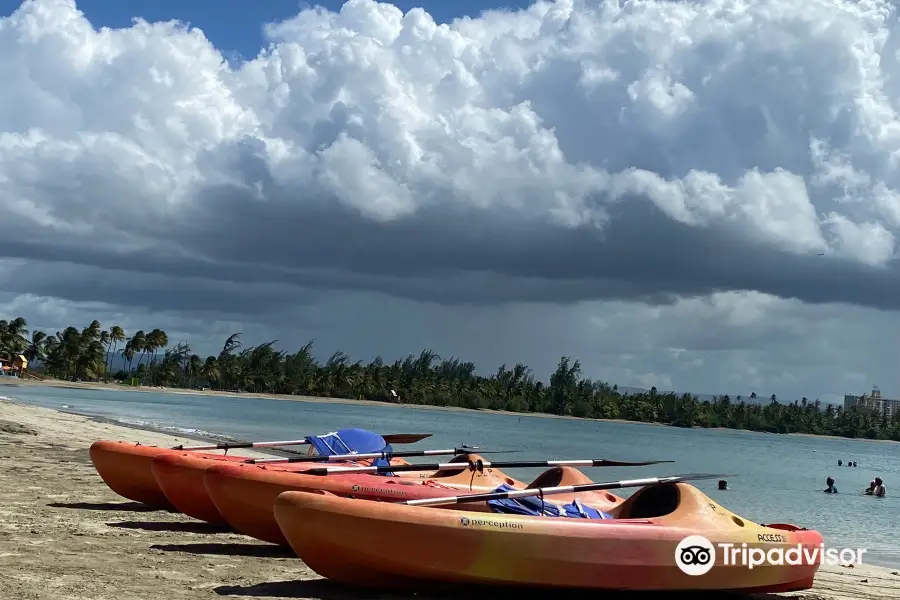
405,438
692,477
622,463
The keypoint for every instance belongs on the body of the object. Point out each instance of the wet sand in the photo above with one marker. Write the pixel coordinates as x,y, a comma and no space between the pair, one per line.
65,535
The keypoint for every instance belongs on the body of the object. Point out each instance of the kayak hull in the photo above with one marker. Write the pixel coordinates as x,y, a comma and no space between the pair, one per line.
180,477
126,469
245,494
397,546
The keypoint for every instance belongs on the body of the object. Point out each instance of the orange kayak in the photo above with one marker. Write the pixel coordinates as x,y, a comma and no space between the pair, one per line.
180,477
392,545
126,468
245,494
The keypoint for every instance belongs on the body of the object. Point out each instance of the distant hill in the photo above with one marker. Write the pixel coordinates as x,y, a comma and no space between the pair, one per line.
760,399
118,362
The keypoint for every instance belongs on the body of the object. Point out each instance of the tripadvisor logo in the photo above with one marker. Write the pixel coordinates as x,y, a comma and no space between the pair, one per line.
467,522
696,555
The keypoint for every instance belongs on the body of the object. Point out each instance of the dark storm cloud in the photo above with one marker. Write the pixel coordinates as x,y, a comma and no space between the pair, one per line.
240,260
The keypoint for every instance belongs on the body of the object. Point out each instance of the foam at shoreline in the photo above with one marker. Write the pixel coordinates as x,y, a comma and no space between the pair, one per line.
159,427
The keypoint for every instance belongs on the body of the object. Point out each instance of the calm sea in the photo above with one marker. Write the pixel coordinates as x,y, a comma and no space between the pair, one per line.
780,478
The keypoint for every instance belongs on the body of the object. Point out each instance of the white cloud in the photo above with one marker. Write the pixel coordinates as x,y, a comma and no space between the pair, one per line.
576,151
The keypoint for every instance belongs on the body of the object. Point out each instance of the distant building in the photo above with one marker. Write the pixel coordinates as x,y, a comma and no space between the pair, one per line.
14,367
875,402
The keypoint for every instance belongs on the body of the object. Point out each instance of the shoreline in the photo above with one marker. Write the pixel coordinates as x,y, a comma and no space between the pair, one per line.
64,534
99,386
213,438
204,438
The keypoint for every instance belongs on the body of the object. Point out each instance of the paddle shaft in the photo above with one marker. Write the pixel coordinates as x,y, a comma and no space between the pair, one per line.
391,438
342,457
230,446
480,465
563,489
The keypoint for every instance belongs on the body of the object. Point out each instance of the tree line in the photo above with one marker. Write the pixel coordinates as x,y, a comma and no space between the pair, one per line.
86,355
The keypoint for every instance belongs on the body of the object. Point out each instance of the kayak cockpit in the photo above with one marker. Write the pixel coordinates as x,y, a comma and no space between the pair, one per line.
650,502
647,503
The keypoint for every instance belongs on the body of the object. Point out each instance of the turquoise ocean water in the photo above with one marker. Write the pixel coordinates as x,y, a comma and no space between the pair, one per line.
780,478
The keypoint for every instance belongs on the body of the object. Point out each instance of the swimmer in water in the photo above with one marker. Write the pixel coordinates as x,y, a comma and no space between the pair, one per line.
830,489
723,485
880,492
871,489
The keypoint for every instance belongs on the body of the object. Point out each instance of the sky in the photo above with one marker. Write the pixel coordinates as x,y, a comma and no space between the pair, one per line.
697,195
236,27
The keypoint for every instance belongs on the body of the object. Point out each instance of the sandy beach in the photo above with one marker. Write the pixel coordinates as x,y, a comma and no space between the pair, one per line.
64,534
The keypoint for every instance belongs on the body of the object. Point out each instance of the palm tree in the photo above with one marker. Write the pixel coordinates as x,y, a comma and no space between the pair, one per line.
210,370
128,354
38,346
89,352
155,340
138,343
12,337
193,369
116,335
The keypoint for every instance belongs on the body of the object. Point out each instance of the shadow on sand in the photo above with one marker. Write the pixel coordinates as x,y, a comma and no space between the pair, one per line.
175,526
324,589
224,549
120,506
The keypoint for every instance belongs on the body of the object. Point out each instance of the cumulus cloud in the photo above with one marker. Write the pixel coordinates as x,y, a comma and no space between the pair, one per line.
578,157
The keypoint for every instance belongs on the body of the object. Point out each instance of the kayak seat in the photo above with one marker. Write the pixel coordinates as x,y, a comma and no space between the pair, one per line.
348,441
537,507
651,501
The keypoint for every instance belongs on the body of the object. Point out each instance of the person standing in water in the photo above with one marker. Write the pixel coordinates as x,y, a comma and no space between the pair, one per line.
830,489
871,489
879,491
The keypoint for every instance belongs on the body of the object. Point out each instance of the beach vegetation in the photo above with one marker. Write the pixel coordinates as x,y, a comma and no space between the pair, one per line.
148,358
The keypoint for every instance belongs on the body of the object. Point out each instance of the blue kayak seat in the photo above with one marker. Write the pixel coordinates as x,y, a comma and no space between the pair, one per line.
534,506
352,441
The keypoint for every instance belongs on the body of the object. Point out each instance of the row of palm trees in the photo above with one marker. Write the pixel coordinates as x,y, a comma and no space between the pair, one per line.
83,354
426,378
